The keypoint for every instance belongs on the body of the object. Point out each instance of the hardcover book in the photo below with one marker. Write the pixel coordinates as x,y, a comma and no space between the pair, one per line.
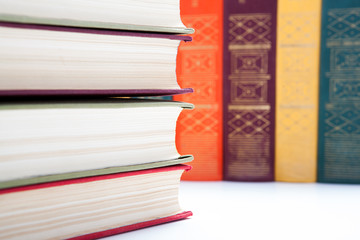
49,60
43,141
92,207
339,104
199,66
133,15
297,85
249,89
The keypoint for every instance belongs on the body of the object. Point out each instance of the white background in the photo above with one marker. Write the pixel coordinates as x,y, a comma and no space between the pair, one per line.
273,210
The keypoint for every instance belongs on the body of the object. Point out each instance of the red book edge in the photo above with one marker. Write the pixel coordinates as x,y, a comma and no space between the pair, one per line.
94,178
133,227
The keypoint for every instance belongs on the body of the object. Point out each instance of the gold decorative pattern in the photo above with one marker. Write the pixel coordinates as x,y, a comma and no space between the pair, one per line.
344,27
206,31
253,29
201,61
345,59
204,89
248,91
298,28
248,120
200,121
248,123
343,23
249,61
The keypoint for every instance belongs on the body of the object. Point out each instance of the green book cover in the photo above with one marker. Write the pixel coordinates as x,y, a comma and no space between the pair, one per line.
94,172
56,139
339,99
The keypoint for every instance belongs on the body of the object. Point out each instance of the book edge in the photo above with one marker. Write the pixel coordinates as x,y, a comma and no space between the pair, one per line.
71,103
94,92
135,226
12,185
88,26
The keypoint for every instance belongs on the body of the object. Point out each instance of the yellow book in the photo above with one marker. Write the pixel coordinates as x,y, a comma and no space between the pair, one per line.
297,84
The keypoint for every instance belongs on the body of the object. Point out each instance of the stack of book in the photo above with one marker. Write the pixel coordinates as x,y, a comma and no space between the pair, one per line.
78,157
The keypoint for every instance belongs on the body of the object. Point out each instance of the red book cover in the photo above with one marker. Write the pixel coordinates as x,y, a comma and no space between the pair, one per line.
249,89
199,66
84,208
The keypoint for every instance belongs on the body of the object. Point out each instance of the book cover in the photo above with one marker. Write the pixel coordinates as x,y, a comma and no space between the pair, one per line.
164,93
94,172
199,65
92,207
249,89
339,103
54,139
53,60
129,15
297,85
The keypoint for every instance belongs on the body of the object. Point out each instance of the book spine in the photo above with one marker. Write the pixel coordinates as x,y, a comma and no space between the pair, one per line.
199,65
339,99
297,85
249,89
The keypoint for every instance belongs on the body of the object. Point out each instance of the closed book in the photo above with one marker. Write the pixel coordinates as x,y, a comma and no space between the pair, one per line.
53,60
249,89
47,140
297,85
92,207
200,66
339,103
134,15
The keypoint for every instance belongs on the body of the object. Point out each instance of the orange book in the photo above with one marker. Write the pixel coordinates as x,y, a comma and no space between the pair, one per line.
199,66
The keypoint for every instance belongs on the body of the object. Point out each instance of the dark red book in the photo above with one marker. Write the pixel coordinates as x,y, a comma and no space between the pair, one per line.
53,60
92,207
249,89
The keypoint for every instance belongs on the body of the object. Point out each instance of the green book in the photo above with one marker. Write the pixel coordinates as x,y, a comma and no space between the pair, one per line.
51,140
339,99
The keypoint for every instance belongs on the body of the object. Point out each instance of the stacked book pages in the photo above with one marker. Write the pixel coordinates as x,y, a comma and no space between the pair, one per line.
79,156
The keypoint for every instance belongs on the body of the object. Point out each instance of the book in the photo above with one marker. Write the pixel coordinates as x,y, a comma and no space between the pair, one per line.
339,102
199,65
92,207
133,15
54,139
52,60
297,85
249,89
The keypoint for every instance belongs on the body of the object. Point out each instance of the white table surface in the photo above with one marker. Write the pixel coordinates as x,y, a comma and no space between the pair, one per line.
274,210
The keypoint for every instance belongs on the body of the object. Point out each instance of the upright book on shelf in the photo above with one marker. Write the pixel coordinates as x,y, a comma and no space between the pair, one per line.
339,104
249,89
53,60
199,66
48,140
297,85
132,15
92,207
